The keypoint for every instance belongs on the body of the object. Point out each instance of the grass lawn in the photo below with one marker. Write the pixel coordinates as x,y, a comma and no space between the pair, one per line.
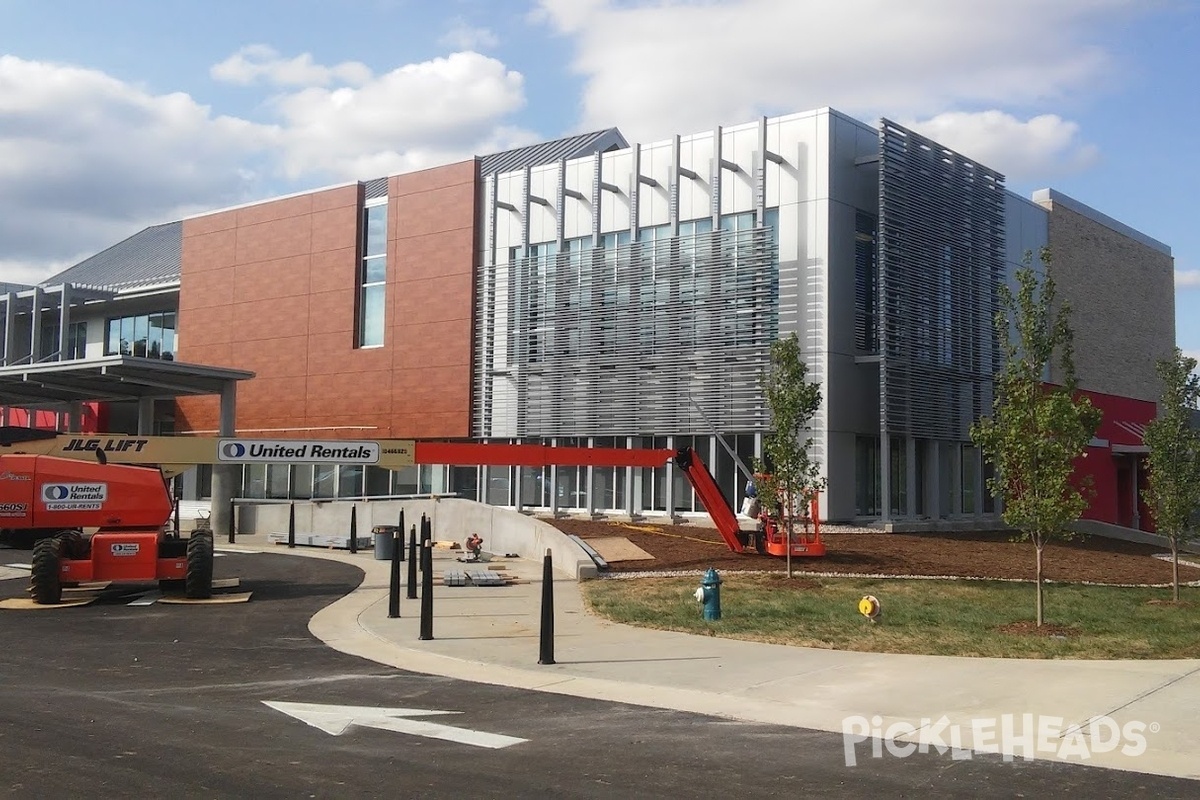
958,618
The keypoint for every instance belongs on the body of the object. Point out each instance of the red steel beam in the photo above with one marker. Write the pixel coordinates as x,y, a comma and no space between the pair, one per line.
463,454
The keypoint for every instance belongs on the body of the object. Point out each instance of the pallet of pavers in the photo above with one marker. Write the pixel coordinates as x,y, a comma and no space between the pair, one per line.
475,577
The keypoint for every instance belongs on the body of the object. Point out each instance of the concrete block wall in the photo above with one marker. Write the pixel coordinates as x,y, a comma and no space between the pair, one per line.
503,530
1121,287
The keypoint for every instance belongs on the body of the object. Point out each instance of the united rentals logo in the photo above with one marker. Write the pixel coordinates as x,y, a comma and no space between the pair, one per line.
124,549
74,496
244,451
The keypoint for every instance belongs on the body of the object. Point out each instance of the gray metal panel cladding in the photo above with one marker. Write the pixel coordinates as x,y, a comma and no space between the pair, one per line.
941,261
151,256
630,340
549,152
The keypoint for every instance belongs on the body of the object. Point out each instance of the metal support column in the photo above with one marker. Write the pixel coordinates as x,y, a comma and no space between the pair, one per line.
145,420
910,477
885,476
75,417
980,483
10,329
223,475
64,320
1137,518
955,479
35,327
633,486
933,470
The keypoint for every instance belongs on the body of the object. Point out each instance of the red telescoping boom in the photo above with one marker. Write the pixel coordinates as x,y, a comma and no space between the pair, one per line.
770,541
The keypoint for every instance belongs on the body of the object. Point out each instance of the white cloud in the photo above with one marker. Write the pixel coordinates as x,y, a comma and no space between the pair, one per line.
32,272
675,66
1037,148
463,36
261,62
1187,278
86,160
412,117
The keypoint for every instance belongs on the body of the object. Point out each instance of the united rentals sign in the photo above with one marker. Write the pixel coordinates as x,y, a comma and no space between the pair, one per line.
183,451
256,451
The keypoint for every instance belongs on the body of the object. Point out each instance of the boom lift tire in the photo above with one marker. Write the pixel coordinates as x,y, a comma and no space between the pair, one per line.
72,544
44,575
198,582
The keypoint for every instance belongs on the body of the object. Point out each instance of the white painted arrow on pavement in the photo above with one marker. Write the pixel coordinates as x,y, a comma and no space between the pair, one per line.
337,719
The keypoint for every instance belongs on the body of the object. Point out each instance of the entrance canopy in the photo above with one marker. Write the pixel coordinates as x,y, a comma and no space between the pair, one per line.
57,384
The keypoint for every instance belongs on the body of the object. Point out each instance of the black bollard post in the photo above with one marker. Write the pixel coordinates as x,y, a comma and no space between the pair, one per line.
354,528
291,525
394,585
426,586
400,528
412,563
546,648
232,521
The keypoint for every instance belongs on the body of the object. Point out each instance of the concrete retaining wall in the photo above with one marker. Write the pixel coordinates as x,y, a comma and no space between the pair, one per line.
503,530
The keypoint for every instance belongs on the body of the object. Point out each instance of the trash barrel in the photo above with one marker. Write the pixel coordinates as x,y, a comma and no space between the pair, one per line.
384,538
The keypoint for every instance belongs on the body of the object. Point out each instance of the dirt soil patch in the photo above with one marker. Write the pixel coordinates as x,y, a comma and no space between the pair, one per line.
971,555
1028,627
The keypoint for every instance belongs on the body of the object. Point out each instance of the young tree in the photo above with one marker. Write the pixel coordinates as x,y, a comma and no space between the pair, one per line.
794,478
1037,430
1173,489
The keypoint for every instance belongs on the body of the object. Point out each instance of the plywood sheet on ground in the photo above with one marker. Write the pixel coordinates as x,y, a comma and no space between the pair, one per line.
618,548
26,603
216,599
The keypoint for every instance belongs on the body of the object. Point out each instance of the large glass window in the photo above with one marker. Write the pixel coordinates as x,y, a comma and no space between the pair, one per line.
498,481
866,296
404,480
277,481
373,276
350,480
867,479
464,482
379,482
146,336
969,470
254,481
302,481
324,481
76,340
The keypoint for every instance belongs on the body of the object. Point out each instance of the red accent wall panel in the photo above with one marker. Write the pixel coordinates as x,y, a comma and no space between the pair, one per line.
1112,472
273,288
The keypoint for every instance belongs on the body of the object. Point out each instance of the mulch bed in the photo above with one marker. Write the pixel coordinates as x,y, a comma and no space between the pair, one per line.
969,555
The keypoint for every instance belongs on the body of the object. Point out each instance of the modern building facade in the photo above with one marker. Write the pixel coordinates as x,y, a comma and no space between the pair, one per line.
591,292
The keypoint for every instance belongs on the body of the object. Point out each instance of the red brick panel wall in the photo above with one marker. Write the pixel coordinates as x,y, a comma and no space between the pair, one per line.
272,288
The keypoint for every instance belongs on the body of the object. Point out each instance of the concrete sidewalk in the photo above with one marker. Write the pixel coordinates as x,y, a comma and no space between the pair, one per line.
490,635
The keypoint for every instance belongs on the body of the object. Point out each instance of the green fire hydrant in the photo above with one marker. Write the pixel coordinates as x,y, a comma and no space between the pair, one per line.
709,594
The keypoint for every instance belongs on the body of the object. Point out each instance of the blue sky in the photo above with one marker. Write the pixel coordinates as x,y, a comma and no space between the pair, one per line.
125,113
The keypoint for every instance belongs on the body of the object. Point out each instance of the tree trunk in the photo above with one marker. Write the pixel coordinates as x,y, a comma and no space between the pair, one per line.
1038,545
1174,569
790,525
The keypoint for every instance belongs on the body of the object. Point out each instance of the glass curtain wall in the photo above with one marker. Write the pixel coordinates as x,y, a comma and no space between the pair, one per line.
565,488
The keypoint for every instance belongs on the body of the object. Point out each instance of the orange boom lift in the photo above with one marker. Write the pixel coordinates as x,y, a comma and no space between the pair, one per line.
47,502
